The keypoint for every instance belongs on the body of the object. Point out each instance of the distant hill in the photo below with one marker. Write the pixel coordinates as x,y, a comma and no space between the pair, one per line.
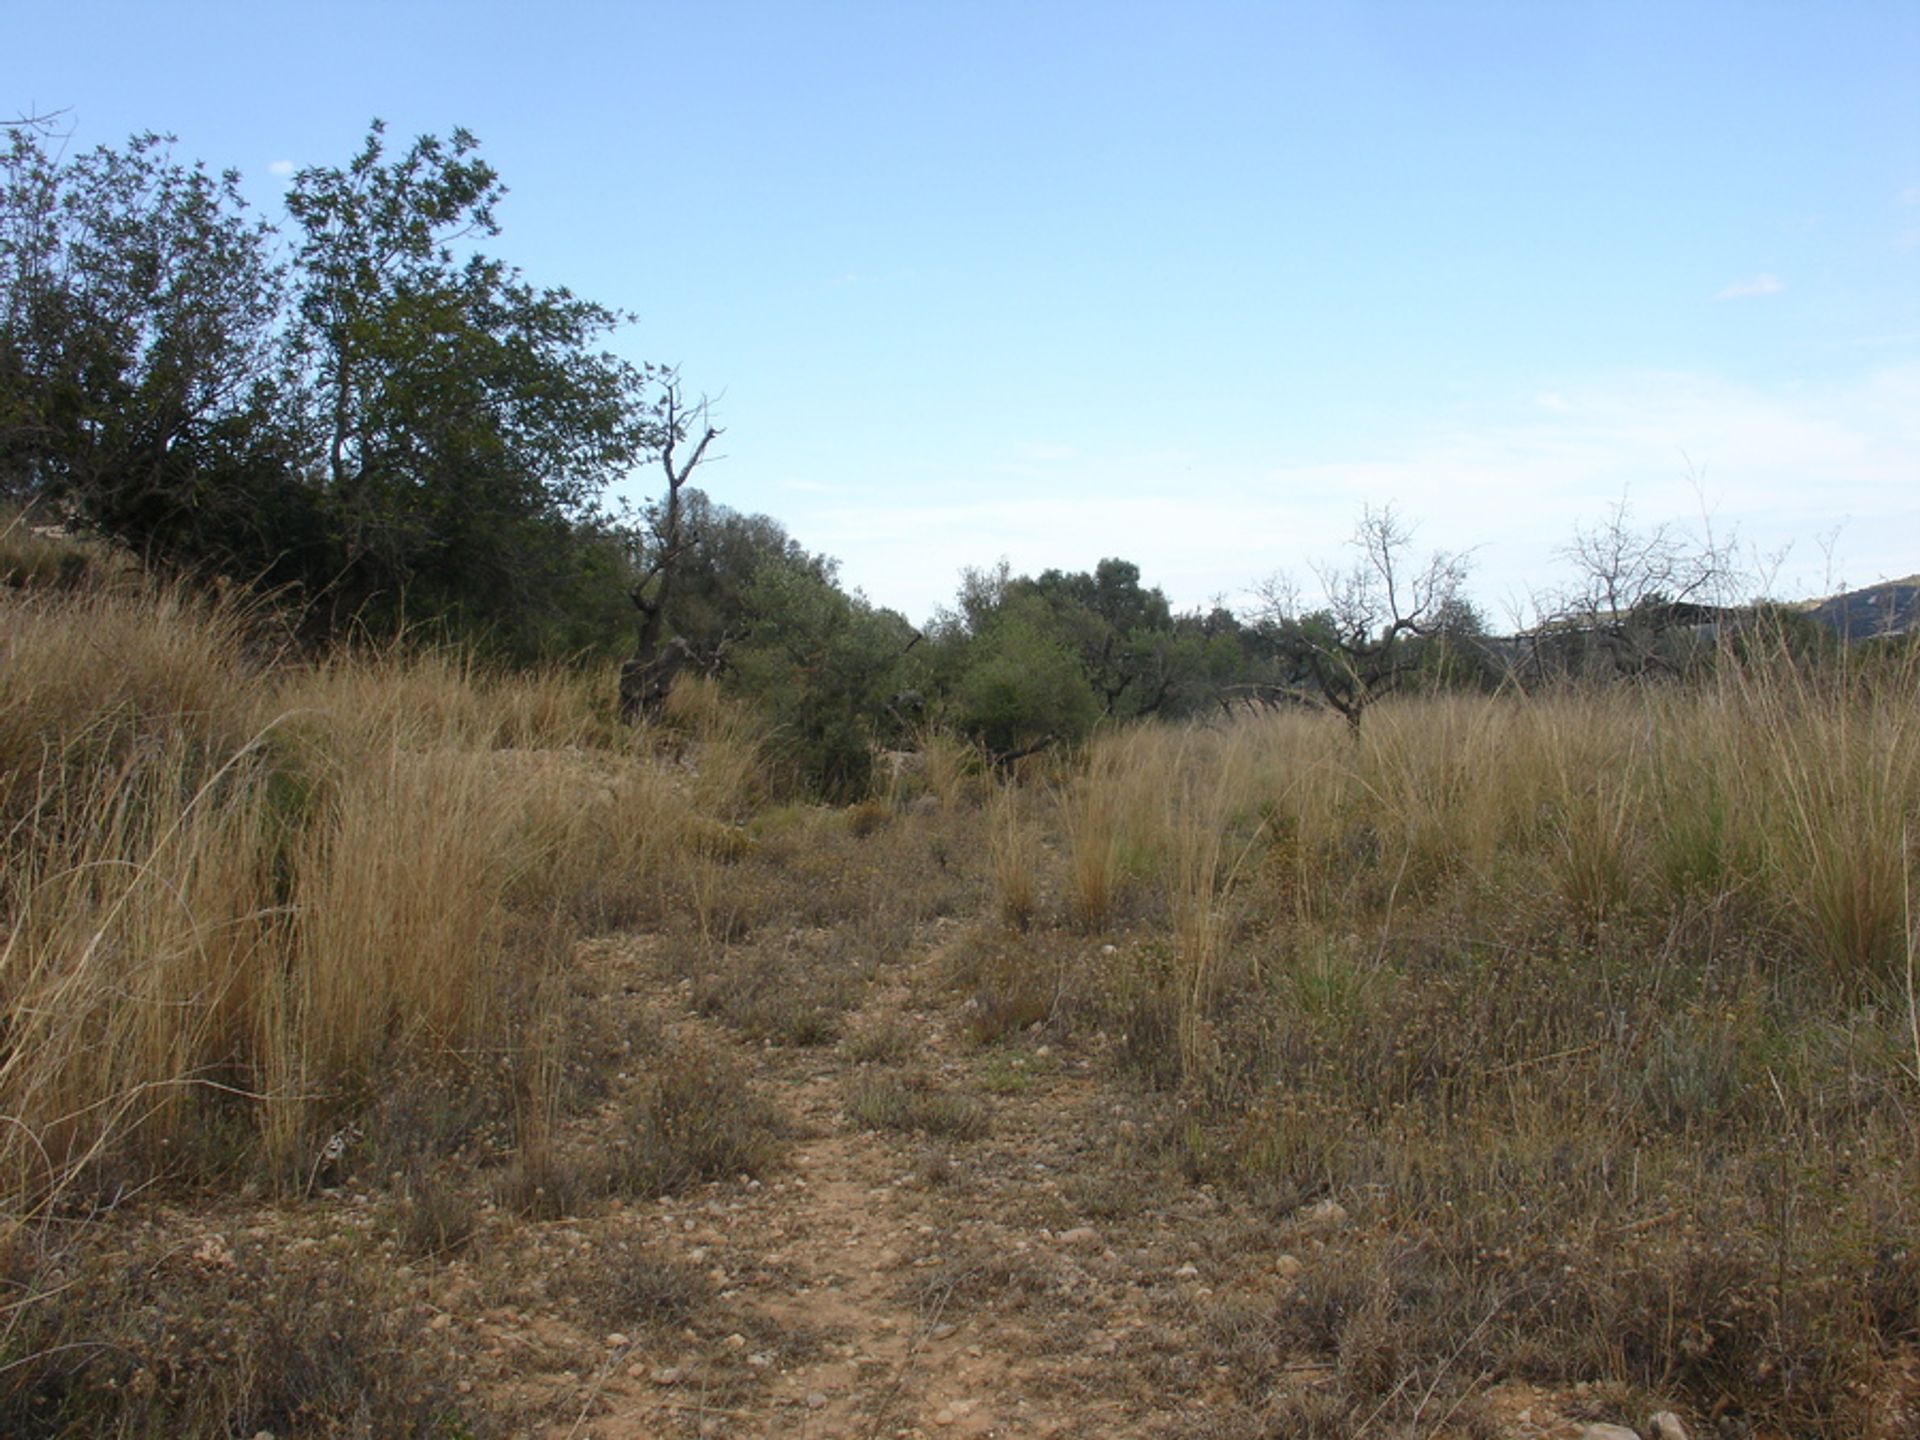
1889,608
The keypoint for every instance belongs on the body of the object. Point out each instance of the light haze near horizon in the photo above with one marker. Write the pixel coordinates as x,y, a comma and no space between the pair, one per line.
1183,284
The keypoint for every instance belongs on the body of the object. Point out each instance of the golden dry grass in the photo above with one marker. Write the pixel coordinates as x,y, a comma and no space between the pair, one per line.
235,892
1597,1008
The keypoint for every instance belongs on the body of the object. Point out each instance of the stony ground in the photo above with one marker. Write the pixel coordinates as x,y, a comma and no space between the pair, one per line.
1030,1280
1026,1269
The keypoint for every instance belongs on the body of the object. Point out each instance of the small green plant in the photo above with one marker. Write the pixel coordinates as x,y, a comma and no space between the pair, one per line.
914,1105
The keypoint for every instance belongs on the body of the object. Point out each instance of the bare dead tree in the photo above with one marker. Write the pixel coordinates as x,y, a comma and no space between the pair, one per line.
1354,646
1638,602
648,676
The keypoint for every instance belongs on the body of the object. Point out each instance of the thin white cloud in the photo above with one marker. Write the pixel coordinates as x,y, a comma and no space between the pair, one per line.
281,168
1781,466
1751,289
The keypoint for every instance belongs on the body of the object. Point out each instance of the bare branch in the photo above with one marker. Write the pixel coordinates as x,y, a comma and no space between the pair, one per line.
1352,649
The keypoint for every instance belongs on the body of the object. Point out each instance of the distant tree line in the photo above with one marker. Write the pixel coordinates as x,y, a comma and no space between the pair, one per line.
366,416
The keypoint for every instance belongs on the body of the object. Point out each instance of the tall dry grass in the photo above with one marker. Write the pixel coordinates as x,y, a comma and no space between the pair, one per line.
1598,1002
237,893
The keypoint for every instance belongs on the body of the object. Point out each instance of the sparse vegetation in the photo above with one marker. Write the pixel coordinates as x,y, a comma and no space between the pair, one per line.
1572,1031
415,1022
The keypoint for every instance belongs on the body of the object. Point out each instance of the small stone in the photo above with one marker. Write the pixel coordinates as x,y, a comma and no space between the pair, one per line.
666,1375
617,1341
760,1360
1288,1266
1079,1235
816,1401
735,1341
1187,1272
1607,1432
944,1417
1330,1213
941,1332
1666,1426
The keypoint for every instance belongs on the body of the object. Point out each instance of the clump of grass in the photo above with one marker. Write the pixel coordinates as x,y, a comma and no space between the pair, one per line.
952,768
694,1118
234,895
1014,852
725,745
913,1104
435,1216
783,996
35,558
626,1288
868,817
886,1043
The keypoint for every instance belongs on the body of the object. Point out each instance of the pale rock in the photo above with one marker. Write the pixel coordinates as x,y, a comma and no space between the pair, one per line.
1079,1235
1328,1213
1666,1426
1607,1432
816,1400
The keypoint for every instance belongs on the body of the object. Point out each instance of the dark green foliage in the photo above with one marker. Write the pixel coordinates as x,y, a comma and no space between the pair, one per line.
388,426
463,420
139,323
1022,687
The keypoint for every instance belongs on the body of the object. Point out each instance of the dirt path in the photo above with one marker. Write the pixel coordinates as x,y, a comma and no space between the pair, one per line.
1033,1280
885,1283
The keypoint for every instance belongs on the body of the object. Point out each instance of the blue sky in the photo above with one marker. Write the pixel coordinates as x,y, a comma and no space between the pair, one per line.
1187,284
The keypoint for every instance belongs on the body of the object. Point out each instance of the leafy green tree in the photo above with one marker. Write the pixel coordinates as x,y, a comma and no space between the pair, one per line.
1021,688
140,386
464,420
823,664
716,600
1457,652
1122,631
